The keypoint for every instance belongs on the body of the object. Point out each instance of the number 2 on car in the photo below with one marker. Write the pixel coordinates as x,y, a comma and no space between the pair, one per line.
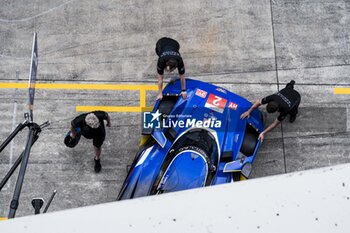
216,103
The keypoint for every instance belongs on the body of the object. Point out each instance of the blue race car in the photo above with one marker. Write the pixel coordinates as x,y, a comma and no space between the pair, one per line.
192,143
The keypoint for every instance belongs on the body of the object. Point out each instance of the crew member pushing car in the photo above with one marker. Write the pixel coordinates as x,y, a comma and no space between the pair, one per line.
286,101
91,126
167,50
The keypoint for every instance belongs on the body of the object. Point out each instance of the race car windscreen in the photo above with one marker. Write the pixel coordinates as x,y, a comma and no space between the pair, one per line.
188,170
202,139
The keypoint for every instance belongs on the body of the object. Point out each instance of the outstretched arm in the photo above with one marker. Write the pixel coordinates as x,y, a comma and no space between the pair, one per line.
268,129
108,121
183,86
254,106
160,86
74,132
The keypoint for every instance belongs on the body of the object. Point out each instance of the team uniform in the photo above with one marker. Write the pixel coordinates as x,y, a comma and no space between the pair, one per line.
166,49
288,101
98,135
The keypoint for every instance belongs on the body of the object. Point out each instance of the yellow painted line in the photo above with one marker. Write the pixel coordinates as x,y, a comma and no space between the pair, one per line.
80,86
146,109
1,218
112,108
13,85
144,139
142,98
341,91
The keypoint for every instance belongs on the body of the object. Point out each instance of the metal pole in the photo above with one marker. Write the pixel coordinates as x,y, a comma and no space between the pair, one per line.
49,202
12,135
33,129
14,166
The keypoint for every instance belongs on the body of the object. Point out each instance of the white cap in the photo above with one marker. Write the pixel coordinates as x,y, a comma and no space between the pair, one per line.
92,120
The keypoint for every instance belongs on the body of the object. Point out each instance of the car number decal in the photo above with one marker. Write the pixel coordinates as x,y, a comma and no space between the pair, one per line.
201,93
216,103
233,106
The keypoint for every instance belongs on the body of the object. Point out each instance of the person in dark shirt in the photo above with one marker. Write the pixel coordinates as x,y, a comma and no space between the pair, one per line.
167,50
91,126
286,101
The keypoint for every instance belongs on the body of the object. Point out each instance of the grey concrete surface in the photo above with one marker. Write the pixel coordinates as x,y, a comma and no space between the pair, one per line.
251,47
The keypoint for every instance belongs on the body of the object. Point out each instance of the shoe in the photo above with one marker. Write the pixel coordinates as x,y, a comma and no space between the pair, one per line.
97,166
292,118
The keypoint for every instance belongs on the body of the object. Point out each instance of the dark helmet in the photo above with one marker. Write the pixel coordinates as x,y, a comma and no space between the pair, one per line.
71,142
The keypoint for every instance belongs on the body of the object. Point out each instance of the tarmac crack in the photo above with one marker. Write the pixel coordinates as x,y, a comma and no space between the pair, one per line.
35,16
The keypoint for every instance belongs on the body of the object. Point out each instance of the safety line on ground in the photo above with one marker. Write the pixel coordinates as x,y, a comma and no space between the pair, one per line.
91,86
80,86
341,90
113,108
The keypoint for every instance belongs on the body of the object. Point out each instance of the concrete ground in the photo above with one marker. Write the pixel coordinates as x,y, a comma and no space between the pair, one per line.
250,47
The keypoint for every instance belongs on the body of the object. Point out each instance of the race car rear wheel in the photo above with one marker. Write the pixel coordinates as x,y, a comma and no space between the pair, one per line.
248,144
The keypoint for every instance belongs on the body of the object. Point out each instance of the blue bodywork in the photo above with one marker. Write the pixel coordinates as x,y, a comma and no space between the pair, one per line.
179,157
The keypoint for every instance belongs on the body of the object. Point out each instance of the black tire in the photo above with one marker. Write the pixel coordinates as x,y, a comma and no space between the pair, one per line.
249,144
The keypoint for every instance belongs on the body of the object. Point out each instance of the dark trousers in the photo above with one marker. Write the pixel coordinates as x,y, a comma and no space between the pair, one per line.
294,110
97,135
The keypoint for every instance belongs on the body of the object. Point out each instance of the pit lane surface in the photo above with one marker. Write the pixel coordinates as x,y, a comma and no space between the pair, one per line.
252,48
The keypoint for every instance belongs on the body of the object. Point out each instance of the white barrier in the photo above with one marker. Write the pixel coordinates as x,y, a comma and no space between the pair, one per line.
309,201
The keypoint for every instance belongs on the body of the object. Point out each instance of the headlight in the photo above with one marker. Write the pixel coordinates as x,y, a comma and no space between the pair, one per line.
246,170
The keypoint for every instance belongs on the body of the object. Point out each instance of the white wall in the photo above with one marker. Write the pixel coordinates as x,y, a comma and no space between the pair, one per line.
308,201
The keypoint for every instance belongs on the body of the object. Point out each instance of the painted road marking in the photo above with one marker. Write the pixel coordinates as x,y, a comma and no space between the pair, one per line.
341,90
113,108
79,86
92,86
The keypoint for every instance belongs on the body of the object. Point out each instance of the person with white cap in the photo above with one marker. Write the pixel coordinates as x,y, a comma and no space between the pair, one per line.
91,126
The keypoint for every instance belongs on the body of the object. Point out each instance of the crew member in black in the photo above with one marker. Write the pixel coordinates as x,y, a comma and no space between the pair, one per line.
167,50
92,127
286,101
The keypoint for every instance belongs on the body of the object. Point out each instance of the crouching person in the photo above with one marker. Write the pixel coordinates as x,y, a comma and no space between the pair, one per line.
286,102
91,126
